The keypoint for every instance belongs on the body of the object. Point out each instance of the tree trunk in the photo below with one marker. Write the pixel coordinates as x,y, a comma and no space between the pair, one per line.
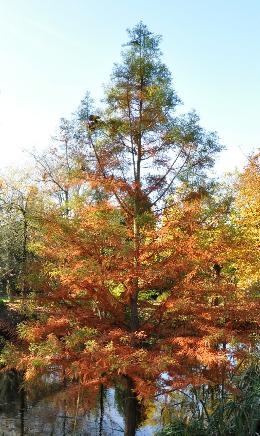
131,409
24,253
134,312
135,284
67,211
22,411
101,404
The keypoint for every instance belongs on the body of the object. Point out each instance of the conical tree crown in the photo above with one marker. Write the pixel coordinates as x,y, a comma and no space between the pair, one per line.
141,86
138,138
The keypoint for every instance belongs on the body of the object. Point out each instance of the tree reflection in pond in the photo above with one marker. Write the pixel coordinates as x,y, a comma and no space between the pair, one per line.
54,408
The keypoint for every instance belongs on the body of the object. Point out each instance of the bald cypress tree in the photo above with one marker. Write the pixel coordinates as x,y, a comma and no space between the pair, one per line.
141,147
129,286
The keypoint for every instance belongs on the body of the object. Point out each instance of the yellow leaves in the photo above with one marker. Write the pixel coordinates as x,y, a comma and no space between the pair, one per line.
26,332
140,335
152,90
80,338
47,350
125,339
110,346
10,357
246,219
116,289
91,346
31,373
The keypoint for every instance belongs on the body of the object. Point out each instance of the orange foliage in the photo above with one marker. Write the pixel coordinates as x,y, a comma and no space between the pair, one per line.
186,313
132,287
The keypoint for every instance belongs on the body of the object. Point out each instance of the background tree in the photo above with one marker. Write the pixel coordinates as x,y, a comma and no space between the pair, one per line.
246,220
57,168
20,204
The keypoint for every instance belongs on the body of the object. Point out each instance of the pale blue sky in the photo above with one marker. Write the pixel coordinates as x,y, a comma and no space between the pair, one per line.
53,51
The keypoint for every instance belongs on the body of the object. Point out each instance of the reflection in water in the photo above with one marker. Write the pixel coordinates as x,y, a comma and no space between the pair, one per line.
54,408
